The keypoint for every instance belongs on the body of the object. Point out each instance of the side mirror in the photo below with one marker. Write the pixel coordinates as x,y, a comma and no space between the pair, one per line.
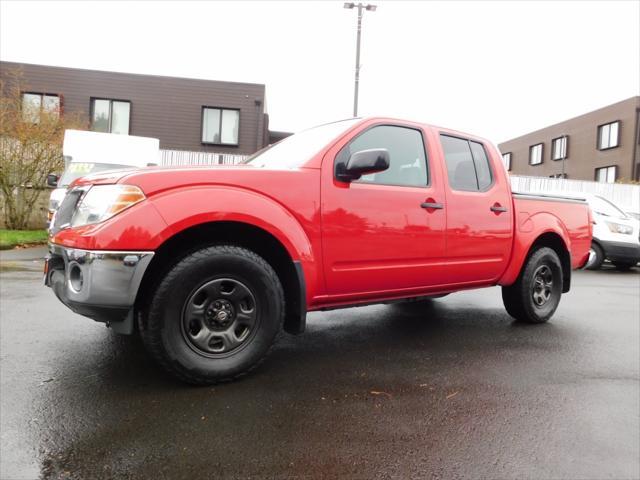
52,180
365,162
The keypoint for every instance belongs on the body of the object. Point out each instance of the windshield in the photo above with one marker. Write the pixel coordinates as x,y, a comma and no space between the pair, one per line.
604,207
81,169
295,150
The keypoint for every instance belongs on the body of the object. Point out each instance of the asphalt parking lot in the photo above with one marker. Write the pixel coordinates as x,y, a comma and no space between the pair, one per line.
453,389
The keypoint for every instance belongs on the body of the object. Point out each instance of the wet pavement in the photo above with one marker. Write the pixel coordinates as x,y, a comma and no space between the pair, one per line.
453,389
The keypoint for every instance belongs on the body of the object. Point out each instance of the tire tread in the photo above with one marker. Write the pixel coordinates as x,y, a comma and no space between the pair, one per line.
514,296
150,327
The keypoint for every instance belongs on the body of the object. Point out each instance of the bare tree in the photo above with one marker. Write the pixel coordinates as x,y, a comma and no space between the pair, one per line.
31,134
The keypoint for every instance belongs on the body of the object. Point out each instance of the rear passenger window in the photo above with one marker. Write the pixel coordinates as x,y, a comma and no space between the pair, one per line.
457,155
467,164
481,162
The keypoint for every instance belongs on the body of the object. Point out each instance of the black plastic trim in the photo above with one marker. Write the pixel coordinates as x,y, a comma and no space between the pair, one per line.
296,320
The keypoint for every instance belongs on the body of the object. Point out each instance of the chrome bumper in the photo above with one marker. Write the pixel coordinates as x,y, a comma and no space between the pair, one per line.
98,284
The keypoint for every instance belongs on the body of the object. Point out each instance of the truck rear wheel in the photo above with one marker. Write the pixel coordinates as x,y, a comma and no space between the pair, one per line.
215,316
535,295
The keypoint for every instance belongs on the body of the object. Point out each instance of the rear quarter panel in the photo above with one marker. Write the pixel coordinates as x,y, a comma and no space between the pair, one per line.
535,216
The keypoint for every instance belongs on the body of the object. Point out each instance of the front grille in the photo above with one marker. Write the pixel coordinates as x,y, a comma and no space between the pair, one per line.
67,207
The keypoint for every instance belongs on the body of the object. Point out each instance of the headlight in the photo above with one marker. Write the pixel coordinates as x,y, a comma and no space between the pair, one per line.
101,202
619,228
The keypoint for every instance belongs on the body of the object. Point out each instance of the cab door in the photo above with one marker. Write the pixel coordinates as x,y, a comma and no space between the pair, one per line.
479,216
384,233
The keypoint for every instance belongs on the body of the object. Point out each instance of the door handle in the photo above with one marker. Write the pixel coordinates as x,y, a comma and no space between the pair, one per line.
497,208
432,205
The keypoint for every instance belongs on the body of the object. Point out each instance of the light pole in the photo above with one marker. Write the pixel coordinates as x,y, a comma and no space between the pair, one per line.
371,8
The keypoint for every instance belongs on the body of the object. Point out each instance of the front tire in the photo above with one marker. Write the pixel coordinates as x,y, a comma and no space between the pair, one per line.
535,295
215,316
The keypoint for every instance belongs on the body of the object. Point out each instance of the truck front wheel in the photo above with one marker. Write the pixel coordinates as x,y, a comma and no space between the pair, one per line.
534,297
215,316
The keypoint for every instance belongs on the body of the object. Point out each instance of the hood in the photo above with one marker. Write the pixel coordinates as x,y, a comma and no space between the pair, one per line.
156,179
116,176
103,178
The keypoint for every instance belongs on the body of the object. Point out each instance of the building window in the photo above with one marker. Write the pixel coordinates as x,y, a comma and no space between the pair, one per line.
606,174
558,175
34,104
559,148
506,159
535,154
608,135
220,126
110,116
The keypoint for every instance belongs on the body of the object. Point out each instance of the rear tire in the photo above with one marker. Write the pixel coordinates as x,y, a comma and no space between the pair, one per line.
215,316
535,295
598,257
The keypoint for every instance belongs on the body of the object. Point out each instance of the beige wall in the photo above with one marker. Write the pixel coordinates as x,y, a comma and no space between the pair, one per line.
583,155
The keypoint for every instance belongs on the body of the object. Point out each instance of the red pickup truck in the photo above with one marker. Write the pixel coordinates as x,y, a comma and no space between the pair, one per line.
211,264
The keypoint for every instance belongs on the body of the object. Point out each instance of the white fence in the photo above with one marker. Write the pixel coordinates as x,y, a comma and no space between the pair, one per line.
183,157
625,196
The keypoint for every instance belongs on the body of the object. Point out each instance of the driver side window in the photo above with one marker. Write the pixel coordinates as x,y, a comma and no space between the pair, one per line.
407,157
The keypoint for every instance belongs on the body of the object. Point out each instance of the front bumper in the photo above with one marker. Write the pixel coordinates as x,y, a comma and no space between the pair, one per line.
101,285
621,251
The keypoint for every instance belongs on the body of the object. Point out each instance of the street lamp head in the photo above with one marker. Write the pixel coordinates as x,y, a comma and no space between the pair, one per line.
349,5
371,8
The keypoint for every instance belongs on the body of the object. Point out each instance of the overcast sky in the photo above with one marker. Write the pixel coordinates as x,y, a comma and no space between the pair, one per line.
496,69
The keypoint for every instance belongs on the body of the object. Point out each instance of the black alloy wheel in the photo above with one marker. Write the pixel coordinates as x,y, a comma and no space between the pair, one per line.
542,285
219,317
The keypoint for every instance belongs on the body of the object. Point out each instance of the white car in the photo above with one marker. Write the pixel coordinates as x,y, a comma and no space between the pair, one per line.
93,152
615,235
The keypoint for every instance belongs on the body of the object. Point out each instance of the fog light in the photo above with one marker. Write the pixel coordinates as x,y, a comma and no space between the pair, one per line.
75,277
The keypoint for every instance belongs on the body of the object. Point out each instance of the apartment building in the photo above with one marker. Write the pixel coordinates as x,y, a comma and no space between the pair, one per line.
183,113
602,145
